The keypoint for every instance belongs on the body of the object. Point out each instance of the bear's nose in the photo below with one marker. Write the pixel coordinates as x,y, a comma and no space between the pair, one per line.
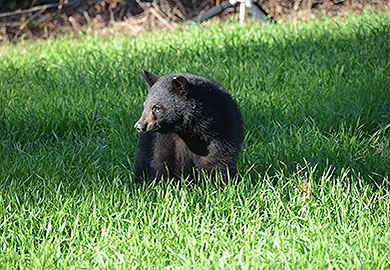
140,128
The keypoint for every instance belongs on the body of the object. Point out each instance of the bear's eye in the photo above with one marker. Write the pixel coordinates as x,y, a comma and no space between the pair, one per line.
156,109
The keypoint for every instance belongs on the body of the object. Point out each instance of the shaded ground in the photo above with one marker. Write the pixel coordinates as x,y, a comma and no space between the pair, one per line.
41,18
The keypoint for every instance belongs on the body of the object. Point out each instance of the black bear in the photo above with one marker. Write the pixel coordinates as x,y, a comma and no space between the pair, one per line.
189,123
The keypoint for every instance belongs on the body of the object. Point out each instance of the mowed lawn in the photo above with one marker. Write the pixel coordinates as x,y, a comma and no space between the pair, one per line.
314,166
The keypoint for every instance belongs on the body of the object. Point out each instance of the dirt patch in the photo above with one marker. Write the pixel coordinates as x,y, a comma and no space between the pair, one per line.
42,18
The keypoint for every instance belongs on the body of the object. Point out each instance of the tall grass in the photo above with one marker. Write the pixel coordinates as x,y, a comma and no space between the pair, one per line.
315,99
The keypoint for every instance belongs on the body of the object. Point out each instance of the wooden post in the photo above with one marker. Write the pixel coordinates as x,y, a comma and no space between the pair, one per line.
242,11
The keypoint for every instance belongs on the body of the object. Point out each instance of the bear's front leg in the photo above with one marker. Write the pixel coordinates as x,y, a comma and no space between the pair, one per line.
144,157
164,159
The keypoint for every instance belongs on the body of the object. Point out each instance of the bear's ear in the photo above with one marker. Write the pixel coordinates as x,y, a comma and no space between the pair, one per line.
149,78
180,85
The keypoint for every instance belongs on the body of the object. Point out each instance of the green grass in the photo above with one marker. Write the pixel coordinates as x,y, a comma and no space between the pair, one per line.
315,99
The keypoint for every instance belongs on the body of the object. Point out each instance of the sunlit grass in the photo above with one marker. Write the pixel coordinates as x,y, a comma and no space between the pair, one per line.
315,100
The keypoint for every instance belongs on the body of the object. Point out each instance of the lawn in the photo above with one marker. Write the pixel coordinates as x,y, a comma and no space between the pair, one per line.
314,166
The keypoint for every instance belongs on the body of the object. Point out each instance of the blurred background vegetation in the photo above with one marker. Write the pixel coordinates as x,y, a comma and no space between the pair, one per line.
42,18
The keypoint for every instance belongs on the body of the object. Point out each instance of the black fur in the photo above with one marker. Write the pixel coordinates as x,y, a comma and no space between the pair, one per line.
197,125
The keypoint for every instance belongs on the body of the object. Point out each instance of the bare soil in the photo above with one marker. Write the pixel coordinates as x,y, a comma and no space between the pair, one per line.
43,18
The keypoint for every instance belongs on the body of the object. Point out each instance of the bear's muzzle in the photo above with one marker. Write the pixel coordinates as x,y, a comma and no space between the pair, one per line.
144,127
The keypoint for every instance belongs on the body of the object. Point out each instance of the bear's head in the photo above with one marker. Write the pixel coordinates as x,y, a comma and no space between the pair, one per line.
164,104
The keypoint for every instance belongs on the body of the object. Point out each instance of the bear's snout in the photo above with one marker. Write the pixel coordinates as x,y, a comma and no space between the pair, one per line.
140,128
147,122
143,126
